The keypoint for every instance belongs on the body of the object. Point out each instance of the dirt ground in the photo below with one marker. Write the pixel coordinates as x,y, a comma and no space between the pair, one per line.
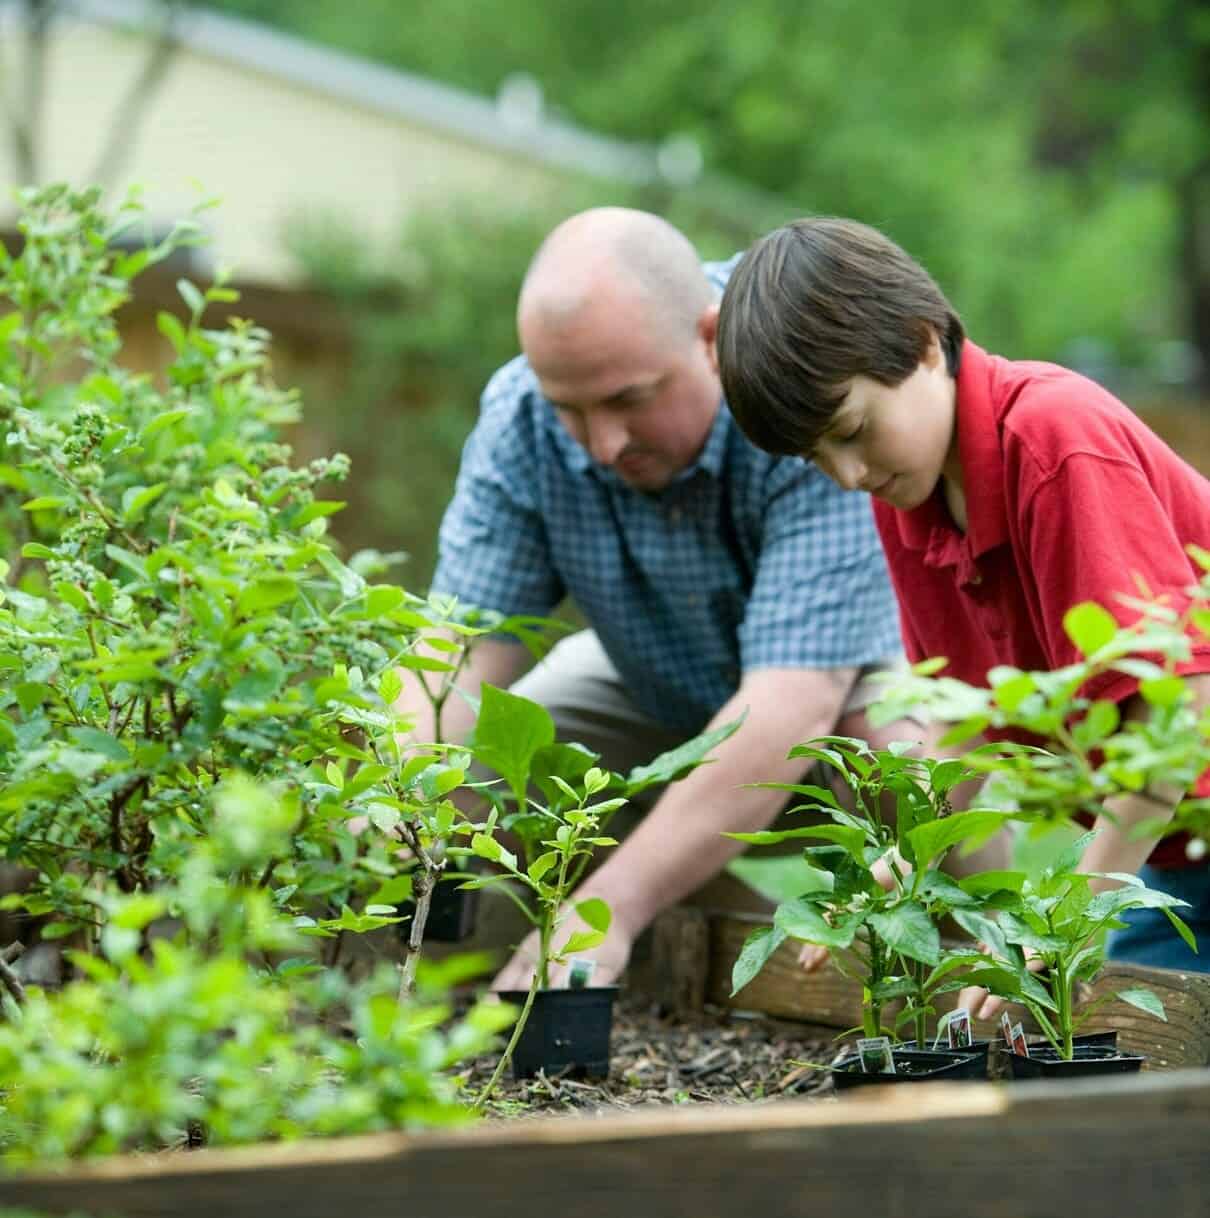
724,1057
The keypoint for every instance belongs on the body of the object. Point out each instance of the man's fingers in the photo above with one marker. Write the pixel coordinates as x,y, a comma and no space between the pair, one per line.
812,958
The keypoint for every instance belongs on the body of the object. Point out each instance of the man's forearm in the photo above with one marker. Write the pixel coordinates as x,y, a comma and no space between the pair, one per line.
679,844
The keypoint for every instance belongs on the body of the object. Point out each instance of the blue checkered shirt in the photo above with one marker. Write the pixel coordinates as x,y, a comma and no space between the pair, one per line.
745,561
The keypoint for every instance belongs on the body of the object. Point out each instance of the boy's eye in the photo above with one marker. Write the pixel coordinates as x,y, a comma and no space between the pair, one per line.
853,434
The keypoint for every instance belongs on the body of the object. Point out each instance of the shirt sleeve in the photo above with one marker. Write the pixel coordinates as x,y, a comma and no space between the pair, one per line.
1096,530
493,550
821,596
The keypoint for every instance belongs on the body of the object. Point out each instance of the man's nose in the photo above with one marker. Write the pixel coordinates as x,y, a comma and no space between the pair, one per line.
604,437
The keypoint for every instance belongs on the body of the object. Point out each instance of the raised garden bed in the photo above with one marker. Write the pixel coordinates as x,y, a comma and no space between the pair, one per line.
947,1150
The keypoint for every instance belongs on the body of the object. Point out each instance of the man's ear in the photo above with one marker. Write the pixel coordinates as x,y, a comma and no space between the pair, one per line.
707,330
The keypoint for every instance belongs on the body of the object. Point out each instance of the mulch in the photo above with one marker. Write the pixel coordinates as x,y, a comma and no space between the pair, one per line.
720,1057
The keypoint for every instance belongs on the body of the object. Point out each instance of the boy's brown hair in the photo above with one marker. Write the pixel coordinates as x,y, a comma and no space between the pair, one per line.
812,305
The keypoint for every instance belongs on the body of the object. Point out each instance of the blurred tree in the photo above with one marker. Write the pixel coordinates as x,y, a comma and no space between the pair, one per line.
938,124
23,98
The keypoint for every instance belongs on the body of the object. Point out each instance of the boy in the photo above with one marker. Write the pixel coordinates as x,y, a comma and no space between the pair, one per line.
1004,492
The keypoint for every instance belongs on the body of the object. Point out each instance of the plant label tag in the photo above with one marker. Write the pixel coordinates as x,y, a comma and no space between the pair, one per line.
1020,1047
874,1053
580,973
958,1029
1006,1029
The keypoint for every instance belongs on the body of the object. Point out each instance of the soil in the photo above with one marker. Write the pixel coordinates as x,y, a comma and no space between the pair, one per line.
722,1057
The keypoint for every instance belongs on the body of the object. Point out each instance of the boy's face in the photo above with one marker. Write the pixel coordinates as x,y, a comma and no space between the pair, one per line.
896,442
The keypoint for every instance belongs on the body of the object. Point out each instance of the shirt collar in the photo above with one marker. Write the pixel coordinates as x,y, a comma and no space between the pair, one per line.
981,452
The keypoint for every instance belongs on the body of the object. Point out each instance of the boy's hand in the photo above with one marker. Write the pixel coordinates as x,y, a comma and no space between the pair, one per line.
983,1005
811,958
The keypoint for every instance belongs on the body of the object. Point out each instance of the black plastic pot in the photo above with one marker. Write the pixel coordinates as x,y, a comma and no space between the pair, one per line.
452,912
911,1066
1087,1059
978,1051
566,1030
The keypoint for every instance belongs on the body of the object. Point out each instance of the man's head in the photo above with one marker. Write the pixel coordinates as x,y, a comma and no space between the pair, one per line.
617,320
835,345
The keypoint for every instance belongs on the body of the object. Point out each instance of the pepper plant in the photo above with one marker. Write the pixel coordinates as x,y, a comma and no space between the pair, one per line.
876,893
1056,920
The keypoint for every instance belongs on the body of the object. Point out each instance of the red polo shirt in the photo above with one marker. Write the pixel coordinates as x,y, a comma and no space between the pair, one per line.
1069,498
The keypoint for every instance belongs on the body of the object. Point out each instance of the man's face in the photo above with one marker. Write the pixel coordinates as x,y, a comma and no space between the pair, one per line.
896,442
640,402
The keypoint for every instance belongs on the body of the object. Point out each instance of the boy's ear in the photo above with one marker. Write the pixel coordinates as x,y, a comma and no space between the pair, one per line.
934,351
707,330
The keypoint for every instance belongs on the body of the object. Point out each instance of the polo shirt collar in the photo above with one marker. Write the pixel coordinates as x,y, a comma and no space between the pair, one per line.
981,452
981,449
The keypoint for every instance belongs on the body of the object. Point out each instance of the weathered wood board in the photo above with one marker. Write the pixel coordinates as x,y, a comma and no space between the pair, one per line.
1124,1146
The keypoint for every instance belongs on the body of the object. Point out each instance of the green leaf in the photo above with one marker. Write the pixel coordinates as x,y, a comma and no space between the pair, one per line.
581,941
191,296
1089,627
801,919
509,731
542,864
42,502
137,499
933,839
754,955
164,421
907,929
267,592
1163,692
675,763
1144,1000
316,509
595,913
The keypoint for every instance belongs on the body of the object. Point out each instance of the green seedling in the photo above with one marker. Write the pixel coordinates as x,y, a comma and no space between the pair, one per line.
883,891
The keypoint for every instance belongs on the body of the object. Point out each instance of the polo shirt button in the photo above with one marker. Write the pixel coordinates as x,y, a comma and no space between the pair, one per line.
674,515
693,601
976,578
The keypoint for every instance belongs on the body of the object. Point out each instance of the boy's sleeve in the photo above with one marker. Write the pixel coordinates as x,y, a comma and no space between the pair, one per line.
492,548
821,596
1096,530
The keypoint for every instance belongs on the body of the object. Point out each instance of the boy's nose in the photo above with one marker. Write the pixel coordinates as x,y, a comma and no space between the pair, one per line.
848,469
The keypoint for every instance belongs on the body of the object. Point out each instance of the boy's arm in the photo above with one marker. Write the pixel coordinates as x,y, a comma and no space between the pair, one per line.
1114,848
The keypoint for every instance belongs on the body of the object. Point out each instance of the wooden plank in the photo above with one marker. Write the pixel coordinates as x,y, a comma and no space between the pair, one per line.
1125,1145
829,998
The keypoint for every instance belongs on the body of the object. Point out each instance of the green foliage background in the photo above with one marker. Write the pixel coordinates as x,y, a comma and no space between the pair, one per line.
1048,164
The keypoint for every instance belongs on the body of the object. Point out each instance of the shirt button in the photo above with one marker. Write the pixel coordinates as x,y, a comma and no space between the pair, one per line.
693,601
674,515
976,578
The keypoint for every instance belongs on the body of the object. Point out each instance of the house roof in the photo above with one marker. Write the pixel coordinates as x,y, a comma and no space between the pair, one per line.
373,86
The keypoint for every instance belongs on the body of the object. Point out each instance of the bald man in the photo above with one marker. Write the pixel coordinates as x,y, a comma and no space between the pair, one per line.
715,579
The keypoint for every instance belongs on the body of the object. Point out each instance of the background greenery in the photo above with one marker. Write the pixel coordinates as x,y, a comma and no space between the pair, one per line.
1050,165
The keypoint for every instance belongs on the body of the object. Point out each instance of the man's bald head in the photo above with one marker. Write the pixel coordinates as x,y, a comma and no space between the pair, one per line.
616,252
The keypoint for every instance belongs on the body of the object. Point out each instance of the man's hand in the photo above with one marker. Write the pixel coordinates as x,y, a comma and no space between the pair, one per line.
610,956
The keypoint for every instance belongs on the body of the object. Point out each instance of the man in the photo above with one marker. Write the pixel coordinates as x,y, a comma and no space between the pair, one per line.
715,579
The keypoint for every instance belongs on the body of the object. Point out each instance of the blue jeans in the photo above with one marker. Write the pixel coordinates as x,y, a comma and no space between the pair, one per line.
1149,938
